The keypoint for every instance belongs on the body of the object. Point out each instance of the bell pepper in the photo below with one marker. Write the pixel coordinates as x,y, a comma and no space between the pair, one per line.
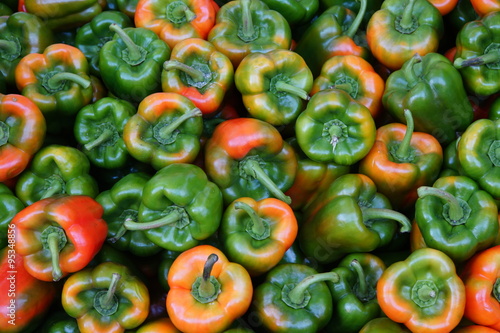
336,31
293,298
180,207
198,71
451,165
207,291
58,236
93,35
256,234
60,322
166,261
481,277
166,129
349,216
479,156
383,325
57,81
99,129
248,157
401,161
10,205
399,29
121,203
25,300
354,75
98,89
22,133
56,169
444,6
246,26
477,54
423,292
106,298
294,255
460,15
5,10
176,20
434,91
21,34
296,13
311,177
127,7
371,7
336,128
131,63
483,7
274,85
163,325
474,329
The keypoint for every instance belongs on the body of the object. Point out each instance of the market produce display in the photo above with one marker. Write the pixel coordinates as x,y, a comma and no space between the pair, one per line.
267,166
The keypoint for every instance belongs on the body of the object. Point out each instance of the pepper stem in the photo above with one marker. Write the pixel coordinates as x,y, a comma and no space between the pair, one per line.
407,17
108,299
167,130
53,242
484,59
409,70
54,188
384,213
103,137
247,31
357,21
58,79
119,234
252,168
361,276
134,53
286,87
297,294
172,217
195,74
206,288
336,133
178,11
8,46
402,154
258,227
456,211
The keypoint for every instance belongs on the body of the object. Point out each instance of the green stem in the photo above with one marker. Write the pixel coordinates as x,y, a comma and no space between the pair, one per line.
109,298
103,137
297,294
407,17
54,188
384,213
171,218
286,87
484,59
347,87
167,130
336,133
194,73
207,288
119,234
134,51
53,241
58,79
362,287
8,46
409,70
258,226
424,293
252,168
402,154
357,21
248,30
456,211
178,11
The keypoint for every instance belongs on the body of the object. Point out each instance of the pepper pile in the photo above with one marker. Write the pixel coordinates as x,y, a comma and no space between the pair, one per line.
250,166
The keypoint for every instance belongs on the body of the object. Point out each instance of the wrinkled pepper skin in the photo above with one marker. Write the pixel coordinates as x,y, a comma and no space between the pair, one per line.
22,133
423,292
67,228
10,205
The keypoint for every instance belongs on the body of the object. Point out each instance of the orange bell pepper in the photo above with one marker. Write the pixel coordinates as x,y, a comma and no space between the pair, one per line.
444,6
483,7
163,325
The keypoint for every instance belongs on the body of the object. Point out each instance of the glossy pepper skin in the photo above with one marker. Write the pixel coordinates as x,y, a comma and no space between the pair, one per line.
25,299
481,277
127,7
246,26
166,129
349,216
256,234
483,7
93,35
99,129
10,205
402,160
247,157
335,128
164,325
354,296
60,235
198,71
121,203
56,169
433,90
84,297
423,292
295,13
293,298
22,33
334,32
371,7
478,154
22,132
399,29
356,76
477,54
131,63
60,322
207,291
176,20
274,85
383,325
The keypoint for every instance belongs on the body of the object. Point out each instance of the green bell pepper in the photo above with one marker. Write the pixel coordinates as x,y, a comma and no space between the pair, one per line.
93,35
275,85
355,294
336,128
60,322
383,325
121,203
349,216
460,15
11,6
131,63
456,217
479,154
106,178
99,129
127,7
295,12
180,207
371,7
56,169
10,205
451,165
166,261
20,34
433,90
293,298
478,54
